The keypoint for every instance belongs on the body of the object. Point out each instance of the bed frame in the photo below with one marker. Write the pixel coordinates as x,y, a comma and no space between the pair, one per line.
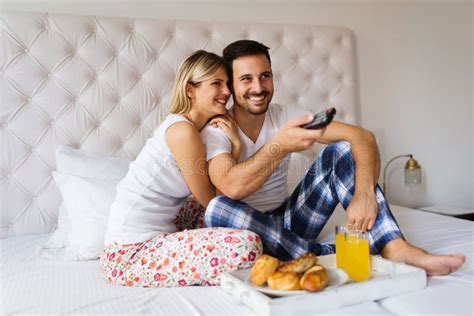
103,84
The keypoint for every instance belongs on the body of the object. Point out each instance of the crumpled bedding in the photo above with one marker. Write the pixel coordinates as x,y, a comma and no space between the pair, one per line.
32,284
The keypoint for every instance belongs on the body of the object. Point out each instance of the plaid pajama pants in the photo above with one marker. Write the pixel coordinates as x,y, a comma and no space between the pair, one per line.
292,229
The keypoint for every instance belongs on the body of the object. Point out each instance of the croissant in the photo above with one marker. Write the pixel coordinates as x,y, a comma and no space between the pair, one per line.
315,279
300,264
284,281
263,268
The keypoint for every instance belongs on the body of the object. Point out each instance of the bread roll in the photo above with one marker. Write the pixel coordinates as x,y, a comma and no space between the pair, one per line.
284,281
315,279
300,264
263,268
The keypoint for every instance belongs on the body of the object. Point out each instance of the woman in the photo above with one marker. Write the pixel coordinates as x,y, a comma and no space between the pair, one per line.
142,245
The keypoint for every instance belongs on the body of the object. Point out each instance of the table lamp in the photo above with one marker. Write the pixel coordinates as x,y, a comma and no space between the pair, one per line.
412,171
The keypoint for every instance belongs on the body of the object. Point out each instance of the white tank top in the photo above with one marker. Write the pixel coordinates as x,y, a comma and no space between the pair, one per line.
151,194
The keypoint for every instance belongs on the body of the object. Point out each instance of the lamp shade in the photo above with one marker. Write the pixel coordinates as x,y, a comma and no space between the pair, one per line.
412,172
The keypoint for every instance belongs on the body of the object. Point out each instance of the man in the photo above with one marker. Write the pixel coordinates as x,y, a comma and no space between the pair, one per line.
254,188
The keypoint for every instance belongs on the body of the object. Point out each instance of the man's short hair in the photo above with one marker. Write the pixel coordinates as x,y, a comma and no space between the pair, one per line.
242,48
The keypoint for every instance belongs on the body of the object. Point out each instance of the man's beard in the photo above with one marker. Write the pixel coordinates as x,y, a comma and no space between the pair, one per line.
260,109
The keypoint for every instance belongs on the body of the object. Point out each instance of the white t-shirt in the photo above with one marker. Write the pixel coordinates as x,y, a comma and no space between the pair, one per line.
151,194
274,191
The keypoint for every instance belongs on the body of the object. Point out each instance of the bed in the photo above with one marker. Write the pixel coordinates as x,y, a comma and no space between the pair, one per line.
101,85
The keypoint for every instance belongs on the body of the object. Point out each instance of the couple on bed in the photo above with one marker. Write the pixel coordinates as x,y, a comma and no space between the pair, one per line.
235,163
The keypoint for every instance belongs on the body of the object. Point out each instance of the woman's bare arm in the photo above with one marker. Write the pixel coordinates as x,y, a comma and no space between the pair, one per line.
186,145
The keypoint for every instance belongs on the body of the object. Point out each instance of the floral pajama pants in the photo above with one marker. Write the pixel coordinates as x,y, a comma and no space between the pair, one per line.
189,257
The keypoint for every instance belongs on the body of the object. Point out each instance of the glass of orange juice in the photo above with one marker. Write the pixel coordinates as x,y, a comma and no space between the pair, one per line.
357,256
341,232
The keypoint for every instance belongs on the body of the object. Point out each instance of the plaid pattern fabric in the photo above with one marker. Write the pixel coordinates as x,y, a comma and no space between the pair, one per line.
292,229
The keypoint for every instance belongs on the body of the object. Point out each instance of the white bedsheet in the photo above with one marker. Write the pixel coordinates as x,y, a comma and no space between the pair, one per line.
453,294
31,285
34,285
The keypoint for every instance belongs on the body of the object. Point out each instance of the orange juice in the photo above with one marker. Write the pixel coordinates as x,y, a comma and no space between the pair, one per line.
357,256
340,250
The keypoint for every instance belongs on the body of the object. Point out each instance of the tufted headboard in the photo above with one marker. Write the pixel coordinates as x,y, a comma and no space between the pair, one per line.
103,84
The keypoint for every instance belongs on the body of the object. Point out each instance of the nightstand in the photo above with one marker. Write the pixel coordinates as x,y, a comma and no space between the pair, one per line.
449,211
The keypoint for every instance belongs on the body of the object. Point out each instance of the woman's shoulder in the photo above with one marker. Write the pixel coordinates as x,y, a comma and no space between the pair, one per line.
170,119
181,131
183,128
174,118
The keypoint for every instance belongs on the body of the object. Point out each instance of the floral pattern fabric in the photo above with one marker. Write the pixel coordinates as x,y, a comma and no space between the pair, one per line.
190,216
189,257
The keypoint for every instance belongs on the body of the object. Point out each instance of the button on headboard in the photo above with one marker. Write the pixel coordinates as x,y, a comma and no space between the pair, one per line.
103,84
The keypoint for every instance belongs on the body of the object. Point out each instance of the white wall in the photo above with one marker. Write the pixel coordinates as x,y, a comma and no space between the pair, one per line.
415,71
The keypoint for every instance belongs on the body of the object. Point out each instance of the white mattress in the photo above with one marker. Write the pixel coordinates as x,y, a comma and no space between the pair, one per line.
30,284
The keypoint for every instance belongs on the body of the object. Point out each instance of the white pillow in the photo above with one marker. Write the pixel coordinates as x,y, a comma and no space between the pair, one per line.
87,202
79,163
75,162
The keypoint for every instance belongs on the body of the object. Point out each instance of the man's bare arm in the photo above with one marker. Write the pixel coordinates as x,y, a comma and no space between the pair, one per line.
238,181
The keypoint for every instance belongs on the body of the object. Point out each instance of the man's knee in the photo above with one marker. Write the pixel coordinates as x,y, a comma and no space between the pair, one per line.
334,152
215,206
217,202
335,157
340,147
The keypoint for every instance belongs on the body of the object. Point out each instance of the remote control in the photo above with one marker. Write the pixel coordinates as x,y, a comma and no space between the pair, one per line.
321,119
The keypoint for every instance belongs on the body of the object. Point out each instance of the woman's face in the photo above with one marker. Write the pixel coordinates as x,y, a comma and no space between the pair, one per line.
210,96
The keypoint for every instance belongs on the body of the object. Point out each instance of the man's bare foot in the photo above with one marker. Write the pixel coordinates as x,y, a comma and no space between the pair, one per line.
400,250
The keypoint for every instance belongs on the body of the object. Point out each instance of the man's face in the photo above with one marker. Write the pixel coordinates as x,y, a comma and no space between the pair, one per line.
252,83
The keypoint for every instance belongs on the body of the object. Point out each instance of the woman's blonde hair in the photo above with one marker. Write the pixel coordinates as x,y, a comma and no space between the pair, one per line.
193,70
